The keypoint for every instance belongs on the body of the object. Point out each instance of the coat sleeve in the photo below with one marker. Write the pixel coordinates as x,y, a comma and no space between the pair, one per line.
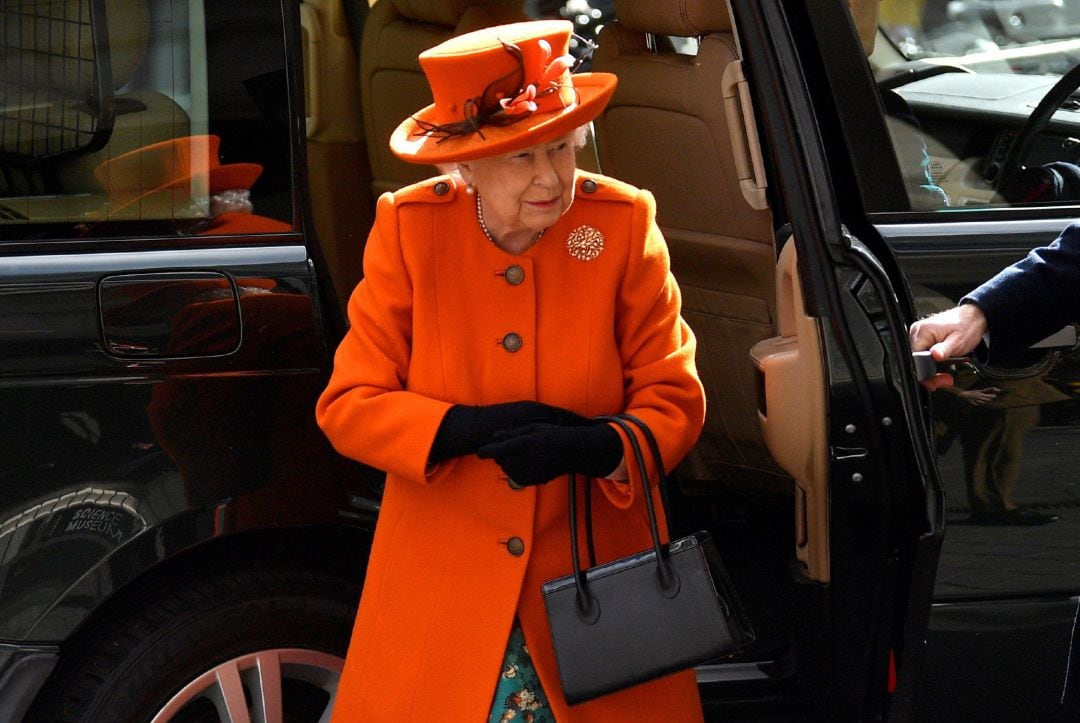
366,411
657,348
1034,297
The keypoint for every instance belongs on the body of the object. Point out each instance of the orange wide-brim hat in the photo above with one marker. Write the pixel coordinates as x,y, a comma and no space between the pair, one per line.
500,89
159,180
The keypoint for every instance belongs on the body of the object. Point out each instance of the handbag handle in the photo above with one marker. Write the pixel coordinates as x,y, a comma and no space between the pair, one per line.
669,581
588,608
658,462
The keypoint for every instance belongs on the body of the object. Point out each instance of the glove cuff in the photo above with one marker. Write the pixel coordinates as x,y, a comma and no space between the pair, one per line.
605,451
457,434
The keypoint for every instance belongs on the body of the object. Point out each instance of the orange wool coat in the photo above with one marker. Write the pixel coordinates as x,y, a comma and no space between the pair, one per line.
428,321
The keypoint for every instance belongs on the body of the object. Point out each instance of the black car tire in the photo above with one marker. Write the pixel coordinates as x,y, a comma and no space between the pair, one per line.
164,642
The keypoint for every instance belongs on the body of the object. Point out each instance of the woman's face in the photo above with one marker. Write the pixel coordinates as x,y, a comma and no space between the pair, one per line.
525,190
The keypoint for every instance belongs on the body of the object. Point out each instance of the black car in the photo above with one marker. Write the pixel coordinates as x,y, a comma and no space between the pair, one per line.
185,190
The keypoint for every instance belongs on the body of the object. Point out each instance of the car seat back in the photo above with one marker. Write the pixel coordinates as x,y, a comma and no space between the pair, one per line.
667,130
392,85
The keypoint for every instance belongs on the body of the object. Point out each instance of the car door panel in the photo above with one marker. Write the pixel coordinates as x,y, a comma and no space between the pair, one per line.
883,498
885,501
104,438
793,414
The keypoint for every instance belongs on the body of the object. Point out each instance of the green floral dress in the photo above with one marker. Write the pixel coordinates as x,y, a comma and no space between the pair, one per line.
518,696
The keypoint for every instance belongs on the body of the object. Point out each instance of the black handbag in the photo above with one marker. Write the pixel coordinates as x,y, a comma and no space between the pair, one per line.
640,617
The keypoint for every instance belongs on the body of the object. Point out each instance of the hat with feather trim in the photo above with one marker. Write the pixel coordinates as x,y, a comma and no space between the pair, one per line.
500,89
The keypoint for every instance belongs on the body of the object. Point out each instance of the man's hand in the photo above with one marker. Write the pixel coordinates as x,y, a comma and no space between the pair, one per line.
980,397
950,333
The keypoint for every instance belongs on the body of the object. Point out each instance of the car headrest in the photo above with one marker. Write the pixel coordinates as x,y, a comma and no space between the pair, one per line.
442,12
682,18
129,37
127,32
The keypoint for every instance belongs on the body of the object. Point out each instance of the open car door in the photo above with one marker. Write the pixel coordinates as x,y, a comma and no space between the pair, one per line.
841,408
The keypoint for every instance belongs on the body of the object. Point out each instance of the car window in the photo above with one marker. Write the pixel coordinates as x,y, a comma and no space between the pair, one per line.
947,28
961,84
142,118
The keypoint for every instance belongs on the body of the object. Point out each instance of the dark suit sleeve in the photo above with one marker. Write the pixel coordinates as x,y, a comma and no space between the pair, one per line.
1034,297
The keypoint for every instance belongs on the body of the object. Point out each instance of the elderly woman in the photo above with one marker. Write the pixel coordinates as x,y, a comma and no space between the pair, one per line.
501,308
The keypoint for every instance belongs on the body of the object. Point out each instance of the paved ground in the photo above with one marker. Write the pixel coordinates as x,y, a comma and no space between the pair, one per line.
988,560
1004,663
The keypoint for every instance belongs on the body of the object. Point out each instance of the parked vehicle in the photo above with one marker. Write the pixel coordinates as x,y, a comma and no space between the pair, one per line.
185,190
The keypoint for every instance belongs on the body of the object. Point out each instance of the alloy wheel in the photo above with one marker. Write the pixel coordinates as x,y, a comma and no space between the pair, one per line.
260,687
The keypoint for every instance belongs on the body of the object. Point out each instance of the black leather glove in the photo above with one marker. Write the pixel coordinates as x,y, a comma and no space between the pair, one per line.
539,453
465,429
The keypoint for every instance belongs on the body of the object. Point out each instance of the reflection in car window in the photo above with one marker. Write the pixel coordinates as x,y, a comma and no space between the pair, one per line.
150,118
946,28
972,74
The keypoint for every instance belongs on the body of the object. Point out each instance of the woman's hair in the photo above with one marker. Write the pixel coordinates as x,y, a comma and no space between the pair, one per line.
579,137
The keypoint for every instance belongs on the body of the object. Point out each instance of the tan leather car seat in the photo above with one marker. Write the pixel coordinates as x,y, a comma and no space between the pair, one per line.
392,85
666,130
142,117
51,49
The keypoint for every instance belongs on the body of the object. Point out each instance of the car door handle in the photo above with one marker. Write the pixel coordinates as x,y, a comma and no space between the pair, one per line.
169,315
925,366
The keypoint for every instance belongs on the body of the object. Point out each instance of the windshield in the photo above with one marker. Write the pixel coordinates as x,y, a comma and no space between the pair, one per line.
929,29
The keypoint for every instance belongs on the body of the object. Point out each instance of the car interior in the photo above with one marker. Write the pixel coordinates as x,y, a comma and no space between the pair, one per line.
719,231
993,97
716,221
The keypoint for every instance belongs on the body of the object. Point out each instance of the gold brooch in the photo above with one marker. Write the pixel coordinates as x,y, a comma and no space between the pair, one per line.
585,243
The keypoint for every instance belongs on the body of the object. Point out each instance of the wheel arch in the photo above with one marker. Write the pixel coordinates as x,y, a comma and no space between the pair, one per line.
179,583
144,564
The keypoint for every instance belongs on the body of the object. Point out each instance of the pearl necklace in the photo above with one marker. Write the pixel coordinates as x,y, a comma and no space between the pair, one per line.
484,228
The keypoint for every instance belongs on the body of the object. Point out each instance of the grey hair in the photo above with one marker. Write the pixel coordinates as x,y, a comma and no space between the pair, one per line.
579,138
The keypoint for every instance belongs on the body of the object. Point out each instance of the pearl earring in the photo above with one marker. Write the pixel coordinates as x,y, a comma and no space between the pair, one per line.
470,189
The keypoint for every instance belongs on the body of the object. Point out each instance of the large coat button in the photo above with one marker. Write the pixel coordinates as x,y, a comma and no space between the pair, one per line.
513,485
511,342
515,546
514,275
442,188
588,185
